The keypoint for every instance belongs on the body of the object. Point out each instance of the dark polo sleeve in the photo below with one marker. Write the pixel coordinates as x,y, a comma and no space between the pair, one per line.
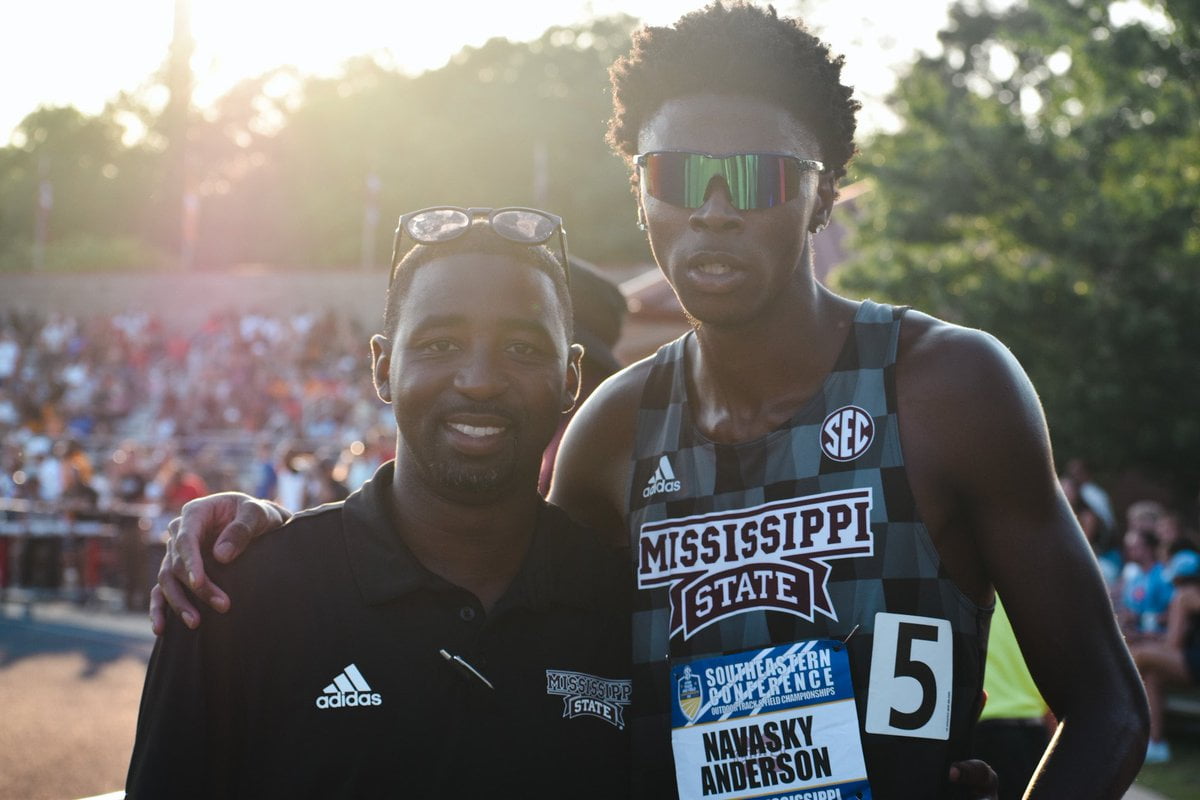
188,743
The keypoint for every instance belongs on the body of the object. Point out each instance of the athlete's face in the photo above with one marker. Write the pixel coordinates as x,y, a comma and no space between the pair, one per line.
727,265
476,372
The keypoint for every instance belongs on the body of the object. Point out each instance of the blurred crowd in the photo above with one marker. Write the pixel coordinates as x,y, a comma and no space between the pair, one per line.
128,409
1150,560
1138,554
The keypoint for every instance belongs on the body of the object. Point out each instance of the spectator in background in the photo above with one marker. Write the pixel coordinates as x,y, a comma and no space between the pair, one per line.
266,476
127,477
1098,535
127,482
49,476
292,479
360,459
78,491
10,354
1173,659
1091,493
76,460
1143,515
1145,589
1173,538
324,485
179,484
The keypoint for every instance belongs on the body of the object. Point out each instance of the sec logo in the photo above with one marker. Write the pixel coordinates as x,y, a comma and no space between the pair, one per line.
847,433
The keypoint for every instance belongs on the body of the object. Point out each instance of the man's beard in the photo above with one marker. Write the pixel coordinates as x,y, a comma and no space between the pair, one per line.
452,473
467,479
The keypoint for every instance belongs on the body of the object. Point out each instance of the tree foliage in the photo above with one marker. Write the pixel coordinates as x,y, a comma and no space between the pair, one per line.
1046,187
92,185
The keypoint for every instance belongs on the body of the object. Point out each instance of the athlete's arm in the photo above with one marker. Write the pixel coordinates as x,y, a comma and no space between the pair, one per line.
978,452
233,520
592,468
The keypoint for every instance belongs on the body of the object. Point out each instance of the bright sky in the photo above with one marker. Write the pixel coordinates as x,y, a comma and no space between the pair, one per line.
82,52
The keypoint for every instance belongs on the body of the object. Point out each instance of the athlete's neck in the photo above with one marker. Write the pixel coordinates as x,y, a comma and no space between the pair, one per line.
746,381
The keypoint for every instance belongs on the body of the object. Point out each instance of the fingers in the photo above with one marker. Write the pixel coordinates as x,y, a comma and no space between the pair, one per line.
198,521
238,518
170,589
158,612
977,777
198,524
252,519
183,566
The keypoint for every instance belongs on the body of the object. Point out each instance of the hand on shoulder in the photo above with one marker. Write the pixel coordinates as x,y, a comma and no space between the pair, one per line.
227,520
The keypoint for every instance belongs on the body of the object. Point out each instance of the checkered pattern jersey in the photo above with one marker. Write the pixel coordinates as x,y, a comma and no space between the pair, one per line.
903,576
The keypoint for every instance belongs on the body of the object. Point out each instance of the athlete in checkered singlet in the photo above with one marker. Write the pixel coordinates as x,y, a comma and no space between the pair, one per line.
802,463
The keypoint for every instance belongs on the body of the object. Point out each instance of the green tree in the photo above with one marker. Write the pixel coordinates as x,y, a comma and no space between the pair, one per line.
1045,186
97,189
471,131
281,163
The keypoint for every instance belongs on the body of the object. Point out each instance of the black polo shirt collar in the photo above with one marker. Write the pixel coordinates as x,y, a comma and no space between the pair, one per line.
565,564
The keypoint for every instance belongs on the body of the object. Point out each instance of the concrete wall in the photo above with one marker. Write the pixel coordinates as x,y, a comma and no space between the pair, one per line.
186,300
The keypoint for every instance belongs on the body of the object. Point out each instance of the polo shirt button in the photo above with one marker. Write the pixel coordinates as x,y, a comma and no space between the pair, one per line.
466,613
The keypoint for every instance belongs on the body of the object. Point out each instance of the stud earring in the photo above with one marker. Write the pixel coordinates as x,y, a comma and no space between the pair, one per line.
641,219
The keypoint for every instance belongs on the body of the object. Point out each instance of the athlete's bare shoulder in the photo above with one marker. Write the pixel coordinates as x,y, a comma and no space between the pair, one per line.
941,354
975,443
949,374
591,470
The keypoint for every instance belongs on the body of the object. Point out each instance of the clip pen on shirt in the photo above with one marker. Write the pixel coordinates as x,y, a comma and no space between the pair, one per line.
472,674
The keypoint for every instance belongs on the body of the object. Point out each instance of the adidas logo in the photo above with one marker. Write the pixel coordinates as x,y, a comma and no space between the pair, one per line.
663,480
349,689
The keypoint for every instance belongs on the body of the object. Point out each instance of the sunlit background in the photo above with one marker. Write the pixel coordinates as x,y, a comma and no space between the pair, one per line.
273,133
82,53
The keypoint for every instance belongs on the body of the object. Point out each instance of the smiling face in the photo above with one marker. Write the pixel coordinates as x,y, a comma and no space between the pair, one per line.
727,266
476,372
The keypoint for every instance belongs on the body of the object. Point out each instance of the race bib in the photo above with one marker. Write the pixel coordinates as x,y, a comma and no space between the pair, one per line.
774,724
912,677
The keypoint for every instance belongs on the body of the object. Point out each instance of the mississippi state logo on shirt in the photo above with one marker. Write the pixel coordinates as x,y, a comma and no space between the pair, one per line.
773,556
587,695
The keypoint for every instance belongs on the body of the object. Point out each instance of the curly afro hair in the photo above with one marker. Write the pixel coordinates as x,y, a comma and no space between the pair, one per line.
736,49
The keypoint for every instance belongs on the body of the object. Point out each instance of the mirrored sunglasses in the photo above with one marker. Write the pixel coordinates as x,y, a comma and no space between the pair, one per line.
440,224
755,180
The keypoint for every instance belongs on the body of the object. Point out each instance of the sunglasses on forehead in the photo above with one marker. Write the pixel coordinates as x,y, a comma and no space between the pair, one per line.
755,180
440,224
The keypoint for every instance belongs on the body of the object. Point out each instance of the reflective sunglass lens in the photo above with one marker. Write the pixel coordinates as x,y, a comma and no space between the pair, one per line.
438,224
523,226
753,180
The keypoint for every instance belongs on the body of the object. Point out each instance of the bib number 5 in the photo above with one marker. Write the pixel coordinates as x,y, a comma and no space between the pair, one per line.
912,677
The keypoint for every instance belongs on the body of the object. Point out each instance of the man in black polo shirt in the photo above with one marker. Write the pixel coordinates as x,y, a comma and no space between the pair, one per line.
443,632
